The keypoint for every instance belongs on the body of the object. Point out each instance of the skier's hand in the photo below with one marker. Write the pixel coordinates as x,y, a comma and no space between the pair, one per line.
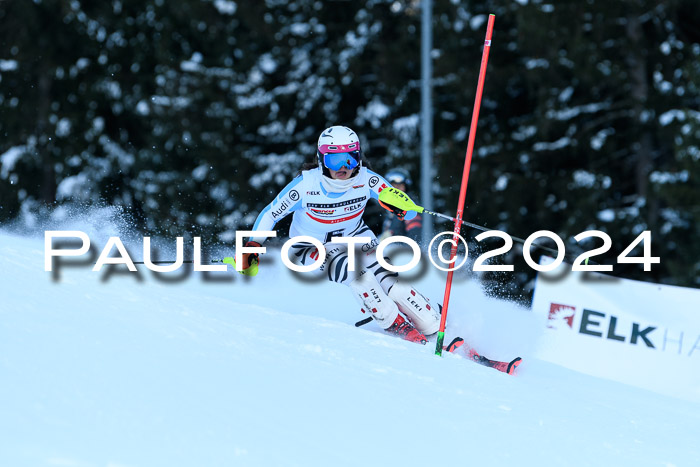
251,259
398,202
400,213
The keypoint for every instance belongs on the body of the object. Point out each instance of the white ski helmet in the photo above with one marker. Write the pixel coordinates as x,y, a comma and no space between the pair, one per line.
338,146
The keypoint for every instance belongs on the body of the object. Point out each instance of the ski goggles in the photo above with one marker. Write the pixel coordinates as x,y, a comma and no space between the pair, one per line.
338,160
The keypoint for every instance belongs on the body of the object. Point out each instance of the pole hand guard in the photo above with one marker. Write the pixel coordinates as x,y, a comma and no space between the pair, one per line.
250,261
396,201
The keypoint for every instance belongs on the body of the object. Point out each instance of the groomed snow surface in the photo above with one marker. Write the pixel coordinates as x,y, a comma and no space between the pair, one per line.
129,369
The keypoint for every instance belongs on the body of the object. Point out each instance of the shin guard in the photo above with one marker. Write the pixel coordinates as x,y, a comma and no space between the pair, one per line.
416,307
373,300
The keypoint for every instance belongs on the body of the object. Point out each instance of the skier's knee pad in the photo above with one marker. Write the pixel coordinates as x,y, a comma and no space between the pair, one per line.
422,314
373,299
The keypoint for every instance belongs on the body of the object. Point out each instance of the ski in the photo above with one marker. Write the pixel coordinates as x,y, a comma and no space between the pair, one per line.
471,354
505,367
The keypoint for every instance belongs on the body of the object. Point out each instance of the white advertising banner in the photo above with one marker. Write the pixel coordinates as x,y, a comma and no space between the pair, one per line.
643,334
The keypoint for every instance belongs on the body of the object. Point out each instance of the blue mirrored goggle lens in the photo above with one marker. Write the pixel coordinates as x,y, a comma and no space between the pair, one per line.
337,160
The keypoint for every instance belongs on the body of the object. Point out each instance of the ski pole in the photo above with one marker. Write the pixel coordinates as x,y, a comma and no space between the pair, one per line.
484,229
391,197
454,219
362,322
465,179
251,271
171,262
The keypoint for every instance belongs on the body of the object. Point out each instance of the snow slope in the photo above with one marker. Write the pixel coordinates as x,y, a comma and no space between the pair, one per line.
113,370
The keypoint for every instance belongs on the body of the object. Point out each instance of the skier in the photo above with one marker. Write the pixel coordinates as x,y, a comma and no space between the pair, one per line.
392,225
328,201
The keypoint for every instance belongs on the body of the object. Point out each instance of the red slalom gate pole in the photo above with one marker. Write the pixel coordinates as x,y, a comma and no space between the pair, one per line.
465,179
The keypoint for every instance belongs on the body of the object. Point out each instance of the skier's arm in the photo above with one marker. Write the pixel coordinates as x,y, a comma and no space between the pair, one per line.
288,200
377,184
